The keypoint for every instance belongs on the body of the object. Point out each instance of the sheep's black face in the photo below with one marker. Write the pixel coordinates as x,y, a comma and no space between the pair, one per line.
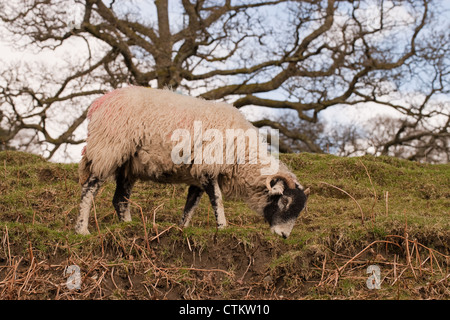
283,208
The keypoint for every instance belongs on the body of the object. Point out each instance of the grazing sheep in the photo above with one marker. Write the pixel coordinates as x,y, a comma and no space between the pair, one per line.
131,136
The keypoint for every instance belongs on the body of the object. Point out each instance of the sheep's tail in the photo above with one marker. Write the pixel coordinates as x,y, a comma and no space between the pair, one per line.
84,169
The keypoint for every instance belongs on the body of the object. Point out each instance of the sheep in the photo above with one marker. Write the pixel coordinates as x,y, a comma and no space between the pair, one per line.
131,136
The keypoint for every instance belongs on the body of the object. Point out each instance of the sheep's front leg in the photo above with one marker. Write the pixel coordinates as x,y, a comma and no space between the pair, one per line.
193,198
212,189
88,192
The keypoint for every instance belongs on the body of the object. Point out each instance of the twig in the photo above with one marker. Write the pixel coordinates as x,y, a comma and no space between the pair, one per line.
143,223
196,269
117,241
443,279
129,280
430,249
30,247
323,269
189,244
360,209
165,230
373,188
340,269
30,272
7,242
437,262
387,203
408,255
4,167
241,280
395,269
418,260
155,226
98,227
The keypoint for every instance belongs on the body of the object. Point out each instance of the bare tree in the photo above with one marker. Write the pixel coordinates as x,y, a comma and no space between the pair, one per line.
418,141
296,135
386,135
304,55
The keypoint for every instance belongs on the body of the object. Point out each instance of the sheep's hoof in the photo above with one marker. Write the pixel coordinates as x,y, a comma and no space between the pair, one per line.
84,232
183,224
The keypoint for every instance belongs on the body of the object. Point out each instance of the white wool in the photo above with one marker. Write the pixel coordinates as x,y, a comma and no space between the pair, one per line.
134,125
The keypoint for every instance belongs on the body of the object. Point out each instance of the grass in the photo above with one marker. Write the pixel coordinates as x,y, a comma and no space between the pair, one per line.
362,211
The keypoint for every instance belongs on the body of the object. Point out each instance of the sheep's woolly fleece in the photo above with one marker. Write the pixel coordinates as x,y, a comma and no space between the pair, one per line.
136,124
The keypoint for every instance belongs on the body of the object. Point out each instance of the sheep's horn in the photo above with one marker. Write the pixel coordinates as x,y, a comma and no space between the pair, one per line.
289,181
307,191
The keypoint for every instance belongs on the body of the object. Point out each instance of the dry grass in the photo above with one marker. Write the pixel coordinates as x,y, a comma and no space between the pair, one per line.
362,212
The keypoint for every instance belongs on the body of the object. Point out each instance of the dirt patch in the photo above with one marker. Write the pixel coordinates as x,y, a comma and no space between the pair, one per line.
176,267
119,265
47,175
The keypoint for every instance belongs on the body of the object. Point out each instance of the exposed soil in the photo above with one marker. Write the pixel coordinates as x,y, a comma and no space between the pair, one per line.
326,256
118,265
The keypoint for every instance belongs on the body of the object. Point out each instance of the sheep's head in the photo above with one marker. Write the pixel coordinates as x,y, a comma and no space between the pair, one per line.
286,199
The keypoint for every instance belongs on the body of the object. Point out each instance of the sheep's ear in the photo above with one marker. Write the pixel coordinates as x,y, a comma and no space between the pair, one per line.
277,189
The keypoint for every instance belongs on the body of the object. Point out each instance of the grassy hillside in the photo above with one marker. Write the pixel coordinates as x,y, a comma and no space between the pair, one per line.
361,212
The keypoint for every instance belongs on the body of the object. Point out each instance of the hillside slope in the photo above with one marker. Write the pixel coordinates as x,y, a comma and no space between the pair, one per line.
362,211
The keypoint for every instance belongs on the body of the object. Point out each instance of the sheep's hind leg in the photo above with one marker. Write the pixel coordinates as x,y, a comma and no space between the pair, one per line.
88,192
212,189
193,198
124,185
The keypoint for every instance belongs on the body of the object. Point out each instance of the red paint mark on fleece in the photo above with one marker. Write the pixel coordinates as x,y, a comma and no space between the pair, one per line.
99,102
83,152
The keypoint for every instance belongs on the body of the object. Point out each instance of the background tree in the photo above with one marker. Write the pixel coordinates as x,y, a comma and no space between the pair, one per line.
379,135
300,57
